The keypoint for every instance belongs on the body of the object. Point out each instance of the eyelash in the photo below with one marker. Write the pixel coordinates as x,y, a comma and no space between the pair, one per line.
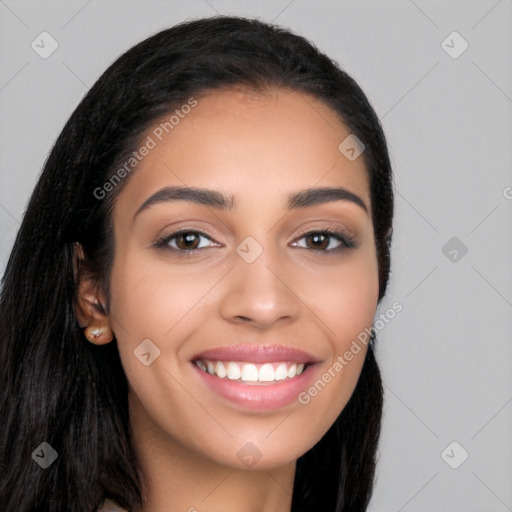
346,241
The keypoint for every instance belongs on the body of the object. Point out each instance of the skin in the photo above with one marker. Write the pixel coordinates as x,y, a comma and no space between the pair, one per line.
258,147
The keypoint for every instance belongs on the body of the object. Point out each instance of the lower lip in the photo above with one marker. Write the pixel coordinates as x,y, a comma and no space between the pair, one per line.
256,396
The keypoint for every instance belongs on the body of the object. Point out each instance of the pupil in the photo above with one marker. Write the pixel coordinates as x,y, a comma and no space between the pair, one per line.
188,238
317,239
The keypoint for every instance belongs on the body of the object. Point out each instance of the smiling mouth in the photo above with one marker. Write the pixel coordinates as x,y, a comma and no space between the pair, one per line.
252,373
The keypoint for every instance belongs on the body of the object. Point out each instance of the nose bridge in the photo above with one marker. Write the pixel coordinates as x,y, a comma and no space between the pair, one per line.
257,291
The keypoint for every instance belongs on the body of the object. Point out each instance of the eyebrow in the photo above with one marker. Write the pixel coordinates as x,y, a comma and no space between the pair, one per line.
215,199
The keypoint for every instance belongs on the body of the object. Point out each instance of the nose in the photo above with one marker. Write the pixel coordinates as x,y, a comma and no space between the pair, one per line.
260,293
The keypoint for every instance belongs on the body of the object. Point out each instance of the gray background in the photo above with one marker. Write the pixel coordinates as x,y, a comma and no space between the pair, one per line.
446,357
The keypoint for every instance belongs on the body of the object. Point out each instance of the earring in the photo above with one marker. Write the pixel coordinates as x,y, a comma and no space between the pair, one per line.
93,333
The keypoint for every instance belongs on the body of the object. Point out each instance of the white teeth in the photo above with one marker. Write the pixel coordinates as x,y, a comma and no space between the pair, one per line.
233,371
250,372
266,373
281,372
220,370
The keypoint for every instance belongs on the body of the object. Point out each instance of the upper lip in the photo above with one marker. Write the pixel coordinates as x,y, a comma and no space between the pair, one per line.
256,354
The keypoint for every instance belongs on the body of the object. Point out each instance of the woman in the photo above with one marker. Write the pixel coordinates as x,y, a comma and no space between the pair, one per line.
185,310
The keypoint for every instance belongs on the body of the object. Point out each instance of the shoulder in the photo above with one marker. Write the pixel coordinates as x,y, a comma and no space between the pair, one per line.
110,506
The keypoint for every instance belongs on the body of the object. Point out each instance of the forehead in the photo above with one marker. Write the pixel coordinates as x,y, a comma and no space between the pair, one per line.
250,145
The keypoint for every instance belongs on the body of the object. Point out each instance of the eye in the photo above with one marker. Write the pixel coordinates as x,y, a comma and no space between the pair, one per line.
326,241
184,241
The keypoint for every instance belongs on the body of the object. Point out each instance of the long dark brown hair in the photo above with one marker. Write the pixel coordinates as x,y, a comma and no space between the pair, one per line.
60,389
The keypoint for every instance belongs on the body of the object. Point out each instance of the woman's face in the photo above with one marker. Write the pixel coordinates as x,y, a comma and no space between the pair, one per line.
215,324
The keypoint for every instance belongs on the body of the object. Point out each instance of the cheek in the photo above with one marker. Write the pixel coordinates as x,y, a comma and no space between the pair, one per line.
351,310
166,304
345,299
150,299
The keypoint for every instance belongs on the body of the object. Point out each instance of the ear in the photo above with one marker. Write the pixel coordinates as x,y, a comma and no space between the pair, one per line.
89,304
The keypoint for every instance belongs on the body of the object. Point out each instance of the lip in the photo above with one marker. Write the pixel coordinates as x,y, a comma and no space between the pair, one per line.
256,354
258,396
261,396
